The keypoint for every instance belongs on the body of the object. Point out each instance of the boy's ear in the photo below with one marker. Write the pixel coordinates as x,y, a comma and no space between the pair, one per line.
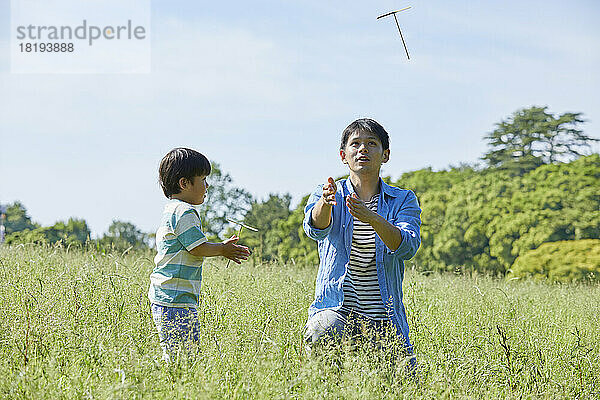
183,182
343,156
386,156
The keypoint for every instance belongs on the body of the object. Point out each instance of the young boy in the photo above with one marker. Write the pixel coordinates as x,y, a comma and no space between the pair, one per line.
181,245
365,230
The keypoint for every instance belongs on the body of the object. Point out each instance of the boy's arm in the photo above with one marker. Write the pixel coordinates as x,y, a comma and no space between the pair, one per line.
189,234
228,249
208,249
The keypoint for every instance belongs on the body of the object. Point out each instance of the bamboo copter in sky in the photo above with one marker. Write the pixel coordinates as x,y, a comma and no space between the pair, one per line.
242,226
398,25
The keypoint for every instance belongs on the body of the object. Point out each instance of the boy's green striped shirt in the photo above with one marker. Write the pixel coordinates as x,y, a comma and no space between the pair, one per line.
176,279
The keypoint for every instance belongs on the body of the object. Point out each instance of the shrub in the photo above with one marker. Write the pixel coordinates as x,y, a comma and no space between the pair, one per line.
563,261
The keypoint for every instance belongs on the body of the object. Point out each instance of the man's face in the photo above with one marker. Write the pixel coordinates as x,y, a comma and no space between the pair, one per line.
364,152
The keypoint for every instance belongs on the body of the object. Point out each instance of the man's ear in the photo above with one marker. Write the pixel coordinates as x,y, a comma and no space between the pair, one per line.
343,156
386,156
183,182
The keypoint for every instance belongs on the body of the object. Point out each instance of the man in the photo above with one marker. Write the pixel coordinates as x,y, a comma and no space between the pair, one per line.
365,230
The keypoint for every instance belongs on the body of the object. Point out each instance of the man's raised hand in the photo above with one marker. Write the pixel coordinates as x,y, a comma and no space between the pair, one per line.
329,190
321,212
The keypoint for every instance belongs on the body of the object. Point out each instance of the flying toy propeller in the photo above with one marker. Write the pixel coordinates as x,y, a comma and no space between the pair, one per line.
398,25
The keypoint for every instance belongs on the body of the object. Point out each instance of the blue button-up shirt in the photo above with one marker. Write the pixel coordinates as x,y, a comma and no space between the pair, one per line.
399,207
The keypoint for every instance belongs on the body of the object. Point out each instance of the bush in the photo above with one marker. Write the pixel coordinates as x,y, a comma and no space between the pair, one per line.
73,232
37,235
563,261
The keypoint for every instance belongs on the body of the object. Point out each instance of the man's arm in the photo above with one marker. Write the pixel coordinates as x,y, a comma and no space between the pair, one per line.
389,234
403,234
408,220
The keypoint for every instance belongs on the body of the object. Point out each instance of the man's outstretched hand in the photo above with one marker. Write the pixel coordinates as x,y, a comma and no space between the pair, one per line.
235,252
321,212
329,190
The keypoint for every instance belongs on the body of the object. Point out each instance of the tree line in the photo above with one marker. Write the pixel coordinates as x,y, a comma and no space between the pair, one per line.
73,232
535,186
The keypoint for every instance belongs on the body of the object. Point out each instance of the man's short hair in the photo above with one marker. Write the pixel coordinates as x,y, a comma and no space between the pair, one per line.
180,163
366,125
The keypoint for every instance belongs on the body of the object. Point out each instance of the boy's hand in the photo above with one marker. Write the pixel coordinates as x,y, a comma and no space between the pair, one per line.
359,209
329,190
235,252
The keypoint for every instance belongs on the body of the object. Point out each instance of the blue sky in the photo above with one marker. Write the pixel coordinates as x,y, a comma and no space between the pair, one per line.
265,89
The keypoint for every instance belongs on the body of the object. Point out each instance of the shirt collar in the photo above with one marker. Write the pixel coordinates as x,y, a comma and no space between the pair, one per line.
387,189
383,187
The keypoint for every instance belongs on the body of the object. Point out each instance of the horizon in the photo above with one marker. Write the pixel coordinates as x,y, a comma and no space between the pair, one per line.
478,166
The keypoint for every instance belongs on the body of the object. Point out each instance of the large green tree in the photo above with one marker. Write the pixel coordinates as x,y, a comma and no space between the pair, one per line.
122,235
73,231
294,245
487,220
264,216
223,200
17,218
532,136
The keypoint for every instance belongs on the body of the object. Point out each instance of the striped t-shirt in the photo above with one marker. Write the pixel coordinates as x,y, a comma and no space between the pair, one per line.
175,281
361,286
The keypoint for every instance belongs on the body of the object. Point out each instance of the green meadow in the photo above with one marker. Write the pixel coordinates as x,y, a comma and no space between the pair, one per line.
76,324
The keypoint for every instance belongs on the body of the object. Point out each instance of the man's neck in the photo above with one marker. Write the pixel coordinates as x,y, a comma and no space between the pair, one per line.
366,186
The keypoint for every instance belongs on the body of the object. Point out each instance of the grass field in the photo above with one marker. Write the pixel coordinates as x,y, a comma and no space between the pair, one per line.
76,324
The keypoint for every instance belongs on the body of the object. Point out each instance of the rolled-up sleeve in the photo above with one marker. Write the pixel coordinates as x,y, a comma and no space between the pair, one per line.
408,220
309,228
187,230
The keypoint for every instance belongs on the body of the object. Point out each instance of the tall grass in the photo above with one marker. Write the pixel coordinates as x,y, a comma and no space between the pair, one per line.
76,324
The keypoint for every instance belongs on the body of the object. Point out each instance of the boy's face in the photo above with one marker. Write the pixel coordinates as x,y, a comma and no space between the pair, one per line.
364,153
194,191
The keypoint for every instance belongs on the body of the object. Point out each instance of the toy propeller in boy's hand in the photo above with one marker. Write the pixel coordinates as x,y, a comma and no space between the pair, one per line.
242,226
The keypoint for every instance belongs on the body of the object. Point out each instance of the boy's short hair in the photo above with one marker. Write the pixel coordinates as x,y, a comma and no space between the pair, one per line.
181,162
366,125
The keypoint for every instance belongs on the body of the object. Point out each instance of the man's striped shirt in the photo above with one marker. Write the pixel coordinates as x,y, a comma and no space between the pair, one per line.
361,286
175,281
